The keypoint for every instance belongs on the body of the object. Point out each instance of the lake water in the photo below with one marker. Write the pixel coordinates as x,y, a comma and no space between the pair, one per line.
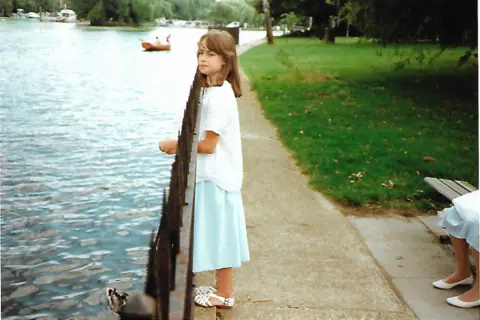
81,112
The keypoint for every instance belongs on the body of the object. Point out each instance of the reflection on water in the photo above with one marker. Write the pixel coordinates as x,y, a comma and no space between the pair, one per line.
81,112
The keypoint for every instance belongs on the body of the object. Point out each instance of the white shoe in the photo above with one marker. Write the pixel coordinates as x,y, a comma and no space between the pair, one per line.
455,301
440,284
204,290
204,301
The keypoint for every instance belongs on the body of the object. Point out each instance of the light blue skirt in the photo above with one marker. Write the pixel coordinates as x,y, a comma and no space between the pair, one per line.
456,226
220,233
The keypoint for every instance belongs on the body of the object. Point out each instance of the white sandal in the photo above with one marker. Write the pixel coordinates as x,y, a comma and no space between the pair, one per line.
203,300
204,290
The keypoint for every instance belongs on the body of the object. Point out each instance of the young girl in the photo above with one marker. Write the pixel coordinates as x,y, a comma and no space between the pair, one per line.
220,234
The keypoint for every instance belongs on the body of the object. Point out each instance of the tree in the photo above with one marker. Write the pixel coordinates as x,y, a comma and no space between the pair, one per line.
82,7
222,12
7,7
349,13
450,22
268,22
96,15
226,11
319,10
289,19
121,12
164,9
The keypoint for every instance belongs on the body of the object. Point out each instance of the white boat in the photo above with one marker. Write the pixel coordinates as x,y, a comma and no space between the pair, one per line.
233,24
32,15
67,15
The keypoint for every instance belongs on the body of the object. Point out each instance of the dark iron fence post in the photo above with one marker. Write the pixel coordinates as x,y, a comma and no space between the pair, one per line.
174,249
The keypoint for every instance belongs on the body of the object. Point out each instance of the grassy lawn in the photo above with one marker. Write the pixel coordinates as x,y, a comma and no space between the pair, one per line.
364,130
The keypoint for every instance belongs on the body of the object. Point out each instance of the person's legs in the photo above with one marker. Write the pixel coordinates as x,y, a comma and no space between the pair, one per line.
474,293
462,270
225,282
224,286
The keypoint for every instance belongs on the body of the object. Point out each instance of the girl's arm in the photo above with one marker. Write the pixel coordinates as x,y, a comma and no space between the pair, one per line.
209,143
206,145
168,146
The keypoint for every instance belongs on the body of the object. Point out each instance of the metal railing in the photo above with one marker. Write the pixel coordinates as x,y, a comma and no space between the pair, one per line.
173,245
169,283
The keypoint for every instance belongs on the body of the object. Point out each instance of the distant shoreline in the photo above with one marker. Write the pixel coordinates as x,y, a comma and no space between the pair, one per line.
143,26
151,25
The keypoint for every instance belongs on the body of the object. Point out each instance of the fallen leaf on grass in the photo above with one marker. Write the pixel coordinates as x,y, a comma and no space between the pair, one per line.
308,110
388,184
429,159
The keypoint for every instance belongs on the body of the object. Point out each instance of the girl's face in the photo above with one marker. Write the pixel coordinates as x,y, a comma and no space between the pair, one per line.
209,63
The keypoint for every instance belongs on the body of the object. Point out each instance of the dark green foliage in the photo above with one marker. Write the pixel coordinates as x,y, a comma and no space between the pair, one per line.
449,22
128,12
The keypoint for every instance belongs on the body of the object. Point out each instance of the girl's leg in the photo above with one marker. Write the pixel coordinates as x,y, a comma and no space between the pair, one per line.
224,286
462,270
225,282
474,293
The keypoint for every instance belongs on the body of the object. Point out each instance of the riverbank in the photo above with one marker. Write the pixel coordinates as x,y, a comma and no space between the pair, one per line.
367,123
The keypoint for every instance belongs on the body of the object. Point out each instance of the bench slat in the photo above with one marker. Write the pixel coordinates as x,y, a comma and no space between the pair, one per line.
466,185
458,188
442,188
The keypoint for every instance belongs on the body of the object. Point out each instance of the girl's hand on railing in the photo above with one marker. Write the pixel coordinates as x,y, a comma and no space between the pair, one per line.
168,146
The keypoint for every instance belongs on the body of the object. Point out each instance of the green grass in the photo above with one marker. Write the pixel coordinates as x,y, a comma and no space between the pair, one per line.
347,108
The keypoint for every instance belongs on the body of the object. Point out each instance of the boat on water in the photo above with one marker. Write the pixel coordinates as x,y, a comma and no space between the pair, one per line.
66,15
62,15
32,15
148,46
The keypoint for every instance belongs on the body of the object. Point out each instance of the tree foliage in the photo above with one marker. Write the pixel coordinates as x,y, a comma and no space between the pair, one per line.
289,19
449,22
234,10
319,10
446,21
118,12
29,5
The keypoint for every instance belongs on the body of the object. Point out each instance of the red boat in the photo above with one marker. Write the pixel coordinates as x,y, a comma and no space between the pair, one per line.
153,47
148,46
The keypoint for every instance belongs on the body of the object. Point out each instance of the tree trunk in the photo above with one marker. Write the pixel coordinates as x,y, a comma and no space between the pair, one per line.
329,35
348,29
268,22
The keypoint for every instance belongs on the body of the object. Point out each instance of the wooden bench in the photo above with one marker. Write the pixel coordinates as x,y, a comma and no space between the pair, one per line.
451,190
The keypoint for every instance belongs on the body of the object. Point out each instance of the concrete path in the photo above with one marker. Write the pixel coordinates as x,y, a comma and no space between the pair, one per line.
412,256
309,261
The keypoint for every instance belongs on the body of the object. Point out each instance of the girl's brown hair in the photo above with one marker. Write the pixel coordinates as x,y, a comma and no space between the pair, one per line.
222,43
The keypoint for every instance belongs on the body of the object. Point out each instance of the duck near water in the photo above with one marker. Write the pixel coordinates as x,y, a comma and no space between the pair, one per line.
141,305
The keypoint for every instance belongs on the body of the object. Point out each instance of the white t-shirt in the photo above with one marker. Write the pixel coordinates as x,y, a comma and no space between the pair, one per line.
219,113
